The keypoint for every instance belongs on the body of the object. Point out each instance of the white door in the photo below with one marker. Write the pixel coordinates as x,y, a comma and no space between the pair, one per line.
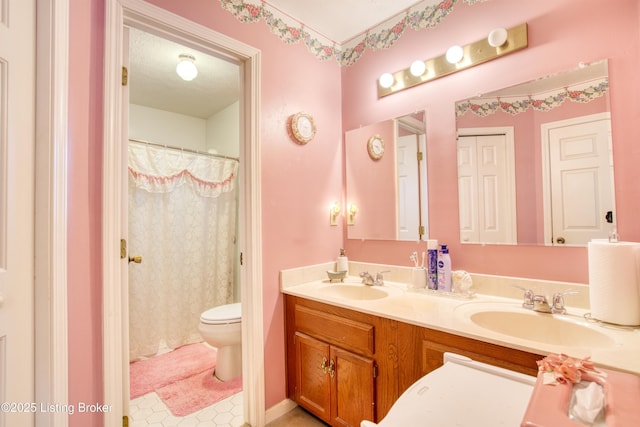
581,180
17,144
408,191
486,188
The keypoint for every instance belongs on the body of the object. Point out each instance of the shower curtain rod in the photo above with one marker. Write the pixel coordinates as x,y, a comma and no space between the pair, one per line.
188,150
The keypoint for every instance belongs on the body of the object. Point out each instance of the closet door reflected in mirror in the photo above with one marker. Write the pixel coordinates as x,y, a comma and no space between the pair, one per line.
561,169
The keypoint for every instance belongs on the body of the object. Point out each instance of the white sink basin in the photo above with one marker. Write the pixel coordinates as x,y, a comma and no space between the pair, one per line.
355,292
545,328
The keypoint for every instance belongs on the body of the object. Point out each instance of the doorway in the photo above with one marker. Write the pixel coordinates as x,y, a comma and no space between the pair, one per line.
182,208
153,20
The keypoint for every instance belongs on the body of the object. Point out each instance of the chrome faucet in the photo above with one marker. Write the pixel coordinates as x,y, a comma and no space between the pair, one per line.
540,303
367,279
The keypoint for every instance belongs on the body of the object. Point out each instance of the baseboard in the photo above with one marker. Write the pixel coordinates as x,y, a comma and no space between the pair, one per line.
279,409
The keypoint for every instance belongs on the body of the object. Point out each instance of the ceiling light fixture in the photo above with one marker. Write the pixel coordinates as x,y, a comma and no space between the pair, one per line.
186,68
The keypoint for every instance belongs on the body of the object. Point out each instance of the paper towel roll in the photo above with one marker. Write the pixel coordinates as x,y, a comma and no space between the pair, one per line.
614,281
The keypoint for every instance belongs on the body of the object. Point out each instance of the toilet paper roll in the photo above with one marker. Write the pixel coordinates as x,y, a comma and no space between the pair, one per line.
614,281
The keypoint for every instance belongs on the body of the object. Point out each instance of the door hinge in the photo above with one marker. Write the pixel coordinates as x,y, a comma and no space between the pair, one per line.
125,421
125,76
375,371
419,156
241,258
421,230
123,248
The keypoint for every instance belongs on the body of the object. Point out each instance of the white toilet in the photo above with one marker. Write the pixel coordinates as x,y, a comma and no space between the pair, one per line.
221,327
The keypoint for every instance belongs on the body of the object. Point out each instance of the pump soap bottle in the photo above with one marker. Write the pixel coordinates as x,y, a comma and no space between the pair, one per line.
444,269
342,263
432,264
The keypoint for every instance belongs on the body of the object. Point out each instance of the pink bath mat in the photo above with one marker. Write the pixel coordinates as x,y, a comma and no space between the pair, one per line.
151,374
197,392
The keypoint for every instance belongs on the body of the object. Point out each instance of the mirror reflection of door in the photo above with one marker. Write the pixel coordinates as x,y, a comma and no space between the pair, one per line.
411,194
486,183
580,183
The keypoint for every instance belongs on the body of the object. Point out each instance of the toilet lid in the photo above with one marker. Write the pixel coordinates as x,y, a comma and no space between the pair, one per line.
222,314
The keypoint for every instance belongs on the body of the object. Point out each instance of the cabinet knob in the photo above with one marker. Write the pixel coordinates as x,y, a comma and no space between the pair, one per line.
324,366
332,368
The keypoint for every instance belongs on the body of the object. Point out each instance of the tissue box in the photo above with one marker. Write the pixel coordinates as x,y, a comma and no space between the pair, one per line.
549,404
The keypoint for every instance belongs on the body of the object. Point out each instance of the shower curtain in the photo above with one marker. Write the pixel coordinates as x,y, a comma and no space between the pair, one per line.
182,221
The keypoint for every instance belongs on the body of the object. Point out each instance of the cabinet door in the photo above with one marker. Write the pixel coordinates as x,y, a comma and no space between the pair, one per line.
352,388
313,385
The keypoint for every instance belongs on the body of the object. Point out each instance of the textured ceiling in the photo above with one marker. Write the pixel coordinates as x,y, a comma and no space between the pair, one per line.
154,82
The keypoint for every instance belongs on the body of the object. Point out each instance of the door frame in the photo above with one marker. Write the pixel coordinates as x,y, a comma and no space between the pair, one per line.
545,129
52,123
148,17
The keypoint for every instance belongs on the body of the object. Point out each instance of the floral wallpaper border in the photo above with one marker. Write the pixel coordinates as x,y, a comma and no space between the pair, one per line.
517,105
423,15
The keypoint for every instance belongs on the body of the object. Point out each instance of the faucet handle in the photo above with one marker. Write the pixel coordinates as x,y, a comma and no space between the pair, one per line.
527,298
379,279
557,302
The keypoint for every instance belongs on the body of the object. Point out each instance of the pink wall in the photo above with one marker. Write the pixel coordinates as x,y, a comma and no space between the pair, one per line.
300,182
560,36
86,29
371,181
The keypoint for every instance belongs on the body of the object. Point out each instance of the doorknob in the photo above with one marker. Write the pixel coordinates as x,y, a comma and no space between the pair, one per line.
560,240
137,259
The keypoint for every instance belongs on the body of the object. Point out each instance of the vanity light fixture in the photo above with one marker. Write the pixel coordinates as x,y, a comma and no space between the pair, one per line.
334,211
351,214
386,80
186,68
454,54
457,58
497,37
417,68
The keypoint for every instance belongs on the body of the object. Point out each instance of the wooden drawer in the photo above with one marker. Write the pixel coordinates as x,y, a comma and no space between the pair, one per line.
337,330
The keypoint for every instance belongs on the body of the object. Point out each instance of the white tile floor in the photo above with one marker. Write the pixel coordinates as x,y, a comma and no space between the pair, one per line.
149,411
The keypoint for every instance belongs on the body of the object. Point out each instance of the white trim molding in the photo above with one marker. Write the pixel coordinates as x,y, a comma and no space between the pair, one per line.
150,18
52,118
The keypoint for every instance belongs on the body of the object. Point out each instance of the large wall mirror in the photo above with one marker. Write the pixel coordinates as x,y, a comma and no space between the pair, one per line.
535,164
386,181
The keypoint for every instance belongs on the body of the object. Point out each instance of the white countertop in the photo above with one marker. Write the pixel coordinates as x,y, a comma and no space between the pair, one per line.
620,349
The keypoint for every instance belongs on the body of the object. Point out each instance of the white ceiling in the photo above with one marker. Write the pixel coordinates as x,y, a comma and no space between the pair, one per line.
341,20
154,82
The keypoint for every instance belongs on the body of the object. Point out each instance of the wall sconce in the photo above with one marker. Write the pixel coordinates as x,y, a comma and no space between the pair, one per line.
351,214
334,211
499,42
186,68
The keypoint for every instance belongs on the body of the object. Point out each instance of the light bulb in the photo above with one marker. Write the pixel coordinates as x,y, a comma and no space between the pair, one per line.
186,69
417,68
386,80
497,37
454,54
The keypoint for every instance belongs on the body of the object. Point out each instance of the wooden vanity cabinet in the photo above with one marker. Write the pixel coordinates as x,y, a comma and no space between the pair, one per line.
341,364
422,350
345,366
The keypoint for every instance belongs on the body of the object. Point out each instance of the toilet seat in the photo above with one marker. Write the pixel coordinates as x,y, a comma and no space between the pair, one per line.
490,396
222,315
